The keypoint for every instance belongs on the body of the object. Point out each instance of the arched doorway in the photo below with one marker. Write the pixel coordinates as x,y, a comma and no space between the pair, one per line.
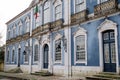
19,51
45,56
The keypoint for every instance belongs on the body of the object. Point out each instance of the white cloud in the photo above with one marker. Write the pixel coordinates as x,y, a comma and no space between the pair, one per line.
8,10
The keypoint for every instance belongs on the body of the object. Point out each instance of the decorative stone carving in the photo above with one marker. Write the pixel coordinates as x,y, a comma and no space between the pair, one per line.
106,8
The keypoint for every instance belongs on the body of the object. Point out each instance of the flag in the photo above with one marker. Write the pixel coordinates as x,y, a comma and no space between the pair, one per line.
36,12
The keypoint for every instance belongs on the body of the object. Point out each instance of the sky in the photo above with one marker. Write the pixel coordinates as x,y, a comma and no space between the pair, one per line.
8,10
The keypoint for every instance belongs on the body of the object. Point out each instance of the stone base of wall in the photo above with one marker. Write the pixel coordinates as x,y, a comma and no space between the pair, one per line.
9,67
58,70
84,70
35,68
25,68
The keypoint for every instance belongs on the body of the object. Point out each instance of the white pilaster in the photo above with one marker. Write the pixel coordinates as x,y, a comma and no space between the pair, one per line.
50,55
67,55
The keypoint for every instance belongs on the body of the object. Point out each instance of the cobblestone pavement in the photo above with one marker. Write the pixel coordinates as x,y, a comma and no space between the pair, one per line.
24,76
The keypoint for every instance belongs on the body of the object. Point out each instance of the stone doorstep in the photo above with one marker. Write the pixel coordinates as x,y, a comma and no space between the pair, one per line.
104,76
97,78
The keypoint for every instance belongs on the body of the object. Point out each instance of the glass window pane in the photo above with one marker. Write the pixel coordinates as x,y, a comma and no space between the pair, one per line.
113,53
13,53
58,12
112,35
8,56
58,50
106,36
106,53
36,53
80,48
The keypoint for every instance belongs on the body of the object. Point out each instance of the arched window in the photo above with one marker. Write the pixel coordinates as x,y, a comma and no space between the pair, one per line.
46,12
8,55
14,31
13,55
26,55
58,9
80,51
35,52
8,36
37,15
20,28
27,24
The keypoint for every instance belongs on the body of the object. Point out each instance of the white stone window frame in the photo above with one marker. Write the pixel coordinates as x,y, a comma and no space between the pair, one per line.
20,27
25,62
108,25
83,4
46,7
101,1
12,55
81,31
57,3
8,57
27,28
57,37
35,43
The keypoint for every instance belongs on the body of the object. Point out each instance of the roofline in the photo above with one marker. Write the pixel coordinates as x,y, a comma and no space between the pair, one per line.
21,13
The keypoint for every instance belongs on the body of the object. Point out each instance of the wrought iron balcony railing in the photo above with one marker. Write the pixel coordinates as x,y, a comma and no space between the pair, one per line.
105,8
56,25
79,17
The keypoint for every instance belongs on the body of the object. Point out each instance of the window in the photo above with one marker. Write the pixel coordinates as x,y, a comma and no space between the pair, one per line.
20,28
80,45
8,34
58,13
35,53
8,54
58,50
37,15
80,48
79,5
26,57
46,12
27,26
14,31
13,56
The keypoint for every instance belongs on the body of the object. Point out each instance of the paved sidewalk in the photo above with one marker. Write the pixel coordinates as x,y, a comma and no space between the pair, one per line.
33,77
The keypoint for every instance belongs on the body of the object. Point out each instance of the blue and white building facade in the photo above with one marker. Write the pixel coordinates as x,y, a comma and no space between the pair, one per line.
69,37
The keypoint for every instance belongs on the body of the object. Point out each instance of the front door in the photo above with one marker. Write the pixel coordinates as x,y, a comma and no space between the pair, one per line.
19,50
109,51
45,57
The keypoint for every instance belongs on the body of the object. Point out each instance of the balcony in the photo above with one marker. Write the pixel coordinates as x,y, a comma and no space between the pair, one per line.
45,28
79,17
26,35
35,31
106,8
56,25
19,38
